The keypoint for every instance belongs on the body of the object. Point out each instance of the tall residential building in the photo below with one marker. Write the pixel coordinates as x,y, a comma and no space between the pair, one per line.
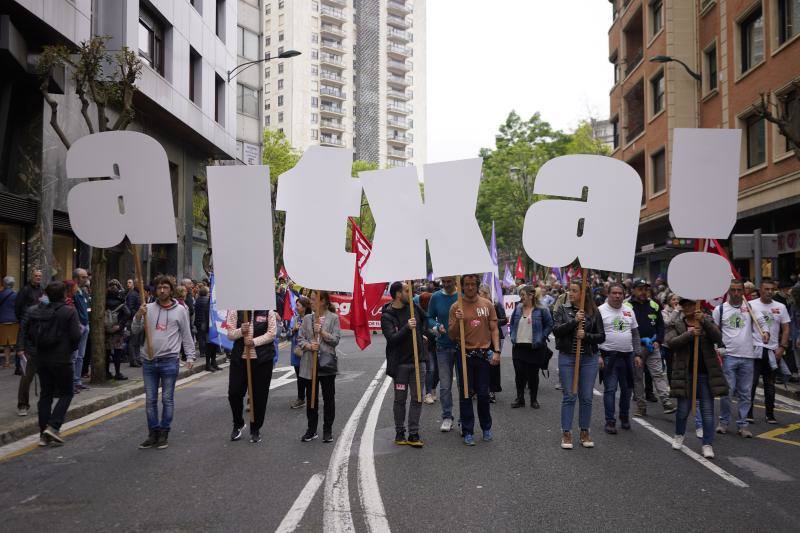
183,101
249,82
740,49
360,81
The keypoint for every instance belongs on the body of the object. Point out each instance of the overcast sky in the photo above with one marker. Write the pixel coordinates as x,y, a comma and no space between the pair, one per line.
487,58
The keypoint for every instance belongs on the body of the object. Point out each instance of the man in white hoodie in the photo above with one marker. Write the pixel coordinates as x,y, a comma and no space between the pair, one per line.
169,328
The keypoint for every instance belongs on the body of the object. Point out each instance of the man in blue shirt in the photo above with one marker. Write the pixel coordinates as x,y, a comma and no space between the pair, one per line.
439,311
80,277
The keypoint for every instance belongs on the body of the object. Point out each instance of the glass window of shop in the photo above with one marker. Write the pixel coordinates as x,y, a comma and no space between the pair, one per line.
63,256
11,252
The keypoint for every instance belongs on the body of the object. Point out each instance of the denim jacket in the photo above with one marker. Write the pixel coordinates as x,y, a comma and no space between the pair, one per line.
541,325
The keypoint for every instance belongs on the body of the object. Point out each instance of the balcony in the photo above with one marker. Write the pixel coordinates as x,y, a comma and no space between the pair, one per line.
400,95
331,13
400,138
330,59
327,124
401,36
340,3
397,153
399,123
396,107
331,109
397,80
633,40
634,111
398,67
399,22
330,140
394,163
333,92
333,77
398,7
634,62
332,46
399,51
330,29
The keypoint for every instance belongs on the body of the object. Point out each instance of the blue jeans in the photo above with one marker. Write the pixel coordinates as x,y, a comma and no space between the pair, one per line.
163,371
432,372
78,355
739,375
446,357
478,375
616,374
588,373
706,409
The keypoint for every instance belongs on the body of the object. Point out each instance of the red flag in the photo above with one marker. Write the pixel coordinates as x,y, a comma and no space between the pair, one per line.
289,301
714,247
365,297
520,271
282,273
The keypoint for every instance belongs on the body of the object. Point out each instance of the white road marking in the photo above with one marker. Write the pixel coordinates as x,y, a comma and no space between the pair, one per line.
730,478
337,515
368,489
288,377
292,519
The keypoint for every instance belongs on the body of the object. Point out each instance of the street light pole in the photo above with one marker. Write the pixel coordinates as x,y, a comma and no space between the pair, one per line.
242,67
667,59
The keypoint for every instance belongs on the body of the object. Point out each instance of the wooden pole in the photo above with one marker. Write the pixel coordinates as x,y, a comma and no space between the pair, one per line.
247,352
414,339
695,359
315,356
140,284
582,307
461,334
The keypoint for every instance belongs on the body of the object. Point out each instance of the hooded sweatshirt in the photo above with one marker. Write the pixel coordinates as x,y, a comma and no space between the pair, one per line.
169,328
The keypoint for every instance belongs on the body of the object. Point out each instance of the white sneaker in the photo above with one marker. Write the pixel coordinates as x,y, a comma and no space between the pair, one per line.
699,433
708,451
22,411
677,442
447,425
428,398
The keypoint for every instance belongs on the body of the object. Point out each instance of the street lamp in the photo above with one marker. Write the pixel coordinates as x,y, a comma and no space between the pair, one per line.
667,59
288,54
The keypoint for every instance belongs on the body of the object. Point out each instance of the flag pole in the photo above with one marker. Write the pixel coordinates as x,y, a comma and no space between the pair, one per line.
695,361
461,337
414,339
582,307
137,266
247,352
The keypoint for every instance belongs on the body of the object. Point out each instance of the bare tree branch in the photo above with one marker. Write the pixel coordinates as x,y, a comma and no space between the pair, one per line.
84,107
782,119
54,117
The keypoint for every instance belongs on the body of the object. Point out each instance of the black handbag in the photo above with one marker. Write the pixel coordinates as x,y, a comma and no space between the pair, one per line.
328,363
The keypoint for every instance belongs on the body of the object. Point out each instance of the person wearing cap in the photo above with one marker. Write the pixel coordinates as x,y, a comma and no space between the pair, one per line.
689,324
651,333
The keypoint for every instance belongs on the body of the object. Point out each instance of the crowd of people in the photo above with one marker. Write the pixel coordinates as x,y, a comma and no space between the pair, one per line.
636,339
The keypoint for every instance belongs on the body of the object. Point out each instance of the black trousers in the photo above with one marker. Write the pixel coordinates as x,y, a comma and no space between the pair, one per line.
302,384
56,380
328,385
209,349
526,373
114,355
761,368
237,387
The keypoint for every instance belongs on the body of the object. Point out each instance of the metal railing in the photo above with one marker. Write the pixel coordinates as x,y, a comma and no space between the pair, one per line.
330,91
330,76
634,61
327,139
399,49
332,12
328,58
332,109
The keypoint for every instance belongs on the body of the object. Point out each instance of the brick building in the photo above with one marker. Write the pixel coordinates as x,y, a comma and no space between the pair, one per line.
740,49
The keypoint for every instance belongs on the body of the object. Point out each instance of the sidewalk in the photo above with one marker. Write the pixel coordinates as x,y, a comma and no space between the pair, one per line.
14,427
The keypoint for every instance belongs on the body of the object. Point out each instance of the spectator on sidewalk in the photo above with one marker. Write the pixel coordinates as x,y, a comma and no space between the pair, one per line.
51,332
9,325
30,295
202,311
116,320
81,303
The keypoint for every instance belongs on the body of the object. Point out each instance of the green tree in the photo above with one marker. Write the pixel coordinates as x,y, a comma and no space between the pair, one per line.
365,219
281,157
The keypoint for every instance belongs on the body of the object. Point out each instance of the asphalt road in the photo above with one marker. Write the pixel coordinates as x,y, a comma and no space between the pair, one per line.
522,481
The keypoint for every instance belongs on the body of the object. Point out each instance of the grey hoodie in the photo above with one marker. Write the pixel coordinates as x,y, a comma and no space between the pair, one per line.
169,328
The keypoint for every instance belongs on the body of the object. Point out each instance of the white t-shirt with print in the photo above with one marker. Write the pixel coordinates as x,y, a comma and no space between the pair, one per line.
770,316
736,330
618,324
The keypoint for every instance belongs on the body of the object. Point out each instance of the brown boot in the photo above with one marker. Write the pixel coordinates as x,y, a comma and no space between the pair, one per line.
586,440
566,440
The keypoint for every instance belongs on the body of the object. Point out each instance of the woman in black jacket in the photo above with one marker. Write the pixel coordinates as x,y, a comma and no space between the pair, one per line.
572,324
115,329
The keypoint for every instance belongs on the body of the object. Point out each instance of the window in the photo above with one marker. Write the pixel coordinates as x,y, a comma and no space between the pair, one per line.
267,105
280,50
656,10
267,120
280,130
314,118
246,100
280,20
220,20
314,135
752,40
266,73
267,41
268,9
615,128
280,116
657,90
315,38
151,40
280,100
659,166
710,61
247,43
219,99
280,68
195,76
314,70
280,84
788,19
614,61
314,54
314,6
314,102
755,132
280,36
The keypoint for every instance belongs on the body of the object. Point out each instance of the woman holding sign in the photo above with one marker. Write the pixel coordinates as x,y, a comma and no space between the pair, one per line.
572,324
318,337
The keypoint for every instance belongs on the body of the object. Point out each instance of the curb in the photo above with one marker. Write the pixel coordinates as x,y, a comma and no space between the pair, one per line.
30,424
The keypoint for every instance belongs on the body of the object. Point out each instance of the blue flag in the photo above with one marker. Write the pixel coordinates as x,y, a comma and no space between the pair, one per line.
217,328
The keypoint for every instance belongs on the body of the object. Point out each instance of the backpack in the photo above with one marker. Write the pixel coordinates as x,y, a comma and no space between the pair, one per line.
111,318
43,326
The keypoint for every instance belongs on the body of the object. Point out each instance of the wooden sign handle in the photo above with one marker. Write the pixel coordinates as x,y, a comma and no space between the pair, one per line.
137,266
414,339
579,344
315,356
247,353
461,334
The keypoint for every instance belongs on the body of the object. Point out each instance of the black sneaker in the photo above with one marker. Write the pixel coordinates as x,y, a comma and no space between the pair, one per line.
624,422
151,440
309,436
492,398
120,377
162,443
53,435
771,420
236,434
415,441
519,402
255,437
534,404
650,397
327,436
400,438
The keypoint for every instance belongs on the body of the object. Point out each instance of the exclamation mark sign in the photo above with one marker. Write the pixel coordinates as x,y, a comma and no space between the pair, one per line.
702,205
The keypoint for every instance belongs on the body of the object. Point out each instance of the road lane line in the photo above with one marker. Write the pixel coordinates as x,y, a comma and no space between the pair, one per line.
368,489
292,519
727,476
337,516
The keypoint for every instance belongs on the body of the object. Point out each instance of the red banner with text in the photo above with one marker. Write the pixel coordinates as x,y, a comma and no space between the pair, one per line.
344,304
